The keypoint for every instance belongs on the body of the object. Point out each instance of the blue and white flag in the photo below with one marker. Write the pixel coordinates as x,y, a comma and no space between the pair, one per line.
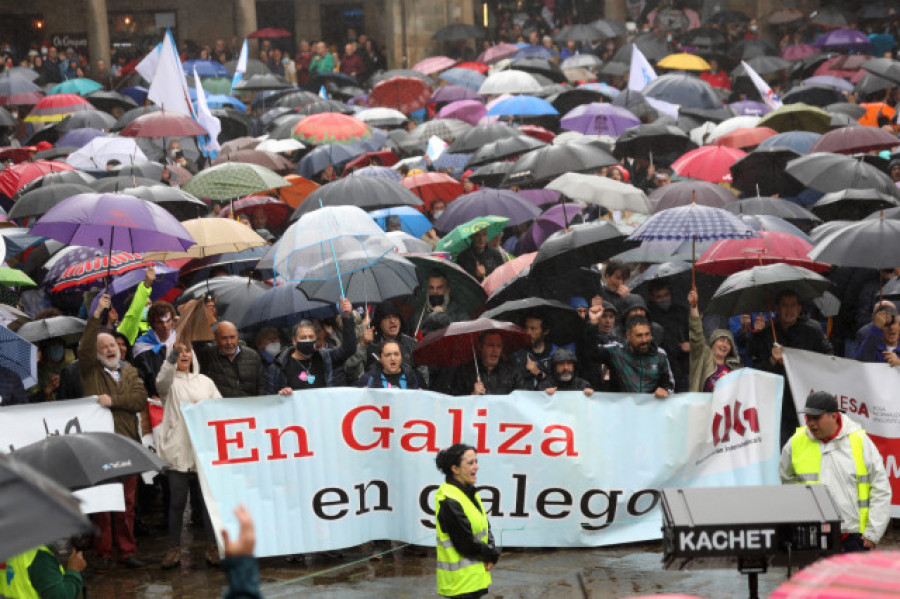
765,91
208,121
322,93
241,67
641,73
147,66
168,87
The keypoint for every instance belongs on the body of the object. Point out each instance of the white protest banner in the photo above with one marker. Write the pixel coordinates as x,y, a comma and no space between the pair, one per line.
26,424
333,468
864,390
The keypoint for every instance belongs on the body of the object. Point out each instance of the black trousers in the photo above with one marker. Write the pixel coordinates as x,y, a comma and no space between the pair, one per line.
180,484
852,543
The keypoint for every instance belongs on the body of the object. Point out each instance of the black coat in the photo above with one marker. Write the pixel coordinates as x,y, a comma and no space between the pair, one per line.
242,377
504,379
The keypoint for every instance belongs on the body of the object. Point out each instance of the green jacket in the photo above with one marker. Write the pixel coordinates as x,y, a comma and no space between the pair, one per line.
131,322
702,362
322,64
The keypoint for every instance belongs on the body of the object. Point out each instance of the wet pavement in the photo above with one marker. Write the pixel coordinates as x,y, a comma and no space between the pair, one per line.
607,573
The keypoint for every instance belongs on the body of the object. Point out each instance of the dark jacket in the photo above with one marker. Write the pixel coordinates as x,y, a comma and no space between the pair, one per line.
70,382
323,360
242,377
503,379
489,258
872,347
407,347
674,323
519,359
576,384
631,372
148,364
243,577
374,378
454,522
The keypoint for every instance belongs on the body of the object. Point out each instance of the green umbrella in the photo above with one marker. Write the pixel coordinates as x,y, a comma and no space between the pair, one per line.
80,86
12,277
217,85
232,180
465,291
460,238
797,117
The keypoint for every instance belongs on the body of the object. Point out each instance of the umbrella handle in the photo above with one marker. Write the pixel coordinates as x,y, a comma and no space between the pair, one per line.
475,359
337,266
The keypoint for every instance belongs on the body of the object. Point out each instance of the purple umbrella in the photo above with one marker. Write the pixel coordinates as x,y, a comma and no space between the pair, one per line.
552,220
453,93
113,222
540,197
124,285
487,202
596,118
750,108
469,111
844,39
79,138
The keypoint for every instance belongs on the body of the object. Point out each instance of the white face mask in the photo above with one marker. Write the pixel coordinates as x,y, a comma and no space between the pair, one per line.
273,348
437,214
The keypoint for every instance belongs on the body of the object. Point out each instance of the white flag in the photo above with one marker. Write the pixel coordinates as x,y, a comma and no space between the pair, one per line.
206,119
147,66
642,72
765,91
168,88
241,67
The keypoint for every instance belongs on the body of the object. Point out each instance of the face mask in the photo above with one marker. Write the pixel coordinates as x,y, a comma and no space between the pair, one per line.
273,348
57,352
437,214
436,300
664,305
306,348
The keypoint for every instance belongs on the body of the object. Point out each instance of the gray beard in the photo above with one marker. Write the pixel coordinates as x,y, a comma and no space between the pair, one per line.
565,377
112,364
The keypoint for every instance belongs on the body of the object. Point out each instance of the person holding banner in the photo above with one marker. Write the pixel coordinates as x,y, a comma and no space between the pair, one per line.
709,361
835,451
466,553
390,372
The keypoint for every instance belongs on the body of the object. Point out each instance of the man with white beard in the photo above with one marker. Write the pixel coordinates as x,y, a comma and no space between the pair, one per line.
118,387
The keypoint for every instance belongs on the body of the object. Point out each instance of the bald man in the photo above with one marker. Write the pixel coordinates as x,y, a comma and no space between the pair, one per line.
118,387
237,370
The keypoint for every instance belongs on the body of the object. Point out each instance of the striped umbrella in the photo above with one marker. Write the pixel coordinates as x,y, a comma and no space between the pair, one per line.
90,274
57,107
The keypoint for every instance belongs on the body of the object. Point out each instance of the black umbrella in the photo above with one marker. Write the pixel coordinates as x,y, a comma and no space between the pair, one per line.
54,153
763,65
262,82
233,295
854,111
873,83
320,106
609,27
90,119
755,289
683,89
762,172
39,200
583,282
493,174
814,95
611,68
832,16
67,328
580,33
369,193
886,68
150,170
34,510
824,171
685,193
297,99
393,276
652,46
283,307
6,119
330,80
107,100
283,126
659,272
180,204
508,147
549,162
580,245
852,204
459,32
78,177
768,206
119,184
869,243
129,115
82,460
561,319
539,66
234,123
652,140
466,292
569,99
479,136
449,130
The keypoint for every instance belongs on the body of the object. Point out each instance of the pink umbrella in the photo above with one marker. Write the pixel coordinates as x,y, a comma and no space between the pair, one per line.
498,53
433,64
708,163
469,111
798,51
868,575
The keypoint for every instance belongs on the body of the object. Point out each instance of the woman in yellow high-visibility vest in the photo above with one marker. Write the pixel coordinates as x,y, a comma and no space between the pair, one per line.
465,546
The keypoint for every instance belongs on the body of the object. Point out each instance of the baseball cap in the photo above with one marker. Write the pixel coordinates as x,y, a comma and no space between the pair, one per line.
820,402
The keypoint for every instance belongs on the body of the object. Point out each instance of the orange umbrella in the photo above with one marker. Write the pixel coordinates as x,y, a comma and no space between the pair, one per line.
294,194
745,137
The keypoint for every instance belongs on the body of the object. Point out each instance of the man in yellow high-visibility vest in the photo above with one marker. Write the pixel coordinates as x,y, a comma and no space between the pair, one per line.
835,451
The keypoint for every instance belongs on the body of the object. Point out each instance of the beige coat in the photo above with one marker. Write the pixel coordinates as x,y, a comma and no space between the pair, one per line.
176,387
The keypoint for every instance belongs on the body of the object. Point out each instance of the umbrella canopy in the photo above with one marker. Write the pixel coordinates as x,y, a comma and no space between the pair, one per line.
460,238
39,200
852,204
431,186
468,295
553,219
93,119
178,202
108,101
382,117
511,81
745,137
18,91
870,243
855,140
762,172
772,207
470,111
78,138
549,162
453,93
683,62
684,193
82,460
466,78
798,141
487,202
364,282
113,222
502,149
411,220
407,244
693,221
709,163
828,172
330,128
283,306
654,139
232,295
35,510
455,345
522,106
98,152
67,328
55,108
498,52
754,290
872,574
729,256
684,90
507,271
214,236
15,177
599,119
233,180
405,94
433,64
205,68
90,274
259,82
79,85
602,191
473,138
163,124
562,320
580,245
799,116
368,193
270,160
580,33
274,210
18,355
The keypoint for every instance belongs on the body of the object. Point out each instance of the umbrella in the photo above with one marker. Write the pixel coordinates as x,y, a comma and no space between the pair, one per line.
233,180
473,138
406,94
283,306
491,175
178,202
214,236
855,140
35,509
232,295
382,172
16,90
467,294
107,101
684,90
729,256
273,162
557,217
100,151
459,32
18,355
205,68
67,328
762,65
498,52
275,210
772,207
433,64
507,271
684,193
745,137
89,274
78,138
580,33
870,243
119,183
798,141
709,163
487,202
511,81
470,111
453,93
652,46
750,108
382,117
259,82
81,460
886,68
549,162
411,220
37,201
872,574
522,106
321,106
791,117
653,139
835,172
852,204
844,40
79,86
363,281
466,78
269,32
764,222
598,118
683,62
330,128
460,238
455,345
813,95
163,124
502,149
92,119
432,186
580,245
541,67
602,191
407,244
835,83
753,290
15,177
13,277
368,193
796,52
320,157
562,320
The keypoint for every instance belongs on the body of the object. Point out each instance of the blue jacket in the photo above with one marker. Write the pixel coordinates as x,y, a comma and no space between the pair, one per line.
871,348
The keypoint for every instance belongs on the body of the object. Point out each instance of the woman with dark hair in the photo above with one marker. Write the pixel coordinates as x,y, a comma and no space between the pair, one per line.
465,546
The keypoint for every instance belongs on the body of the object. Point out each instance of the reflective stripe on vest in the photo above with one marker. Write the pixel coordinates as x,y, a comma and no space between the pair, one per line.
806,458
457,574
15,581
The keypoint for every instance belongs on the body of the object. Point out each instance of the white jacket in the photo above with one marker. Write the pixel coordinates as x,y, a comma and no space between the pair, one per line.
176,387
838,473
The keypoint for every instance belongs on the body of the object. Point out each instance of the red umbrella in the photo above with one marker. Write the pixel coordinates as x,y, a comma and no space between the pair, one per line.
745,137
406,94
537,132
474,65
433,186
855,139
275,210
455,345
709,163
380,158
163,124
330,128
506,271
82,274
57,107
17,155
869,575
13,178
269,32
729,256
844,66
433,64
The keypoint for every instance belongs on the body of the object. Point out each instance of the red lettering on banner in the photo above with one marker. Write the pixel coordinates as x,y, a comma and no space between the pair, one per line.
275,442
850,404
507,446
429,437
567,439
223,441
383,440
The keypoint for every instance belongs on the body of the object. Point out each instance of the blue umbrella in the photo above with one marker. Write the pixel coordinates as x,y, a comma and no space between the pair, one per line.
18,355
138,93
284,306
522,106
464,77
18,240
223,101
382,172
319,158
411,220
79,138
205,68
695,222
881,43
799,141
535,51
750,108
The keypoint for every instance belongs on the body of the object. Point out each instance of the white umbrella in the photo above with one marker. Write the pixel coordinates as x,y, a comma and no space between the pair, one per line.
99,151
602,191
381,117
278,146
509,82
732,124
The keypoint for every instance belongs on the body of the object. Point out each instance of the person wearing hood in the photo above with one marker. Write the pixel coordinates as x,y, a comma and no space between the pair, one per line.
835,451
635,305
438,298
673,318
387,326
179,382
304,365
562,375
709,361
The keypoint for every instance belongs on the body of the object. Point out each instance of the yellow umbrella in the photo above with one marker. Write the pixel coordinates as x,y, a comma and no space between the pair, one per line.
684,62
213,236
